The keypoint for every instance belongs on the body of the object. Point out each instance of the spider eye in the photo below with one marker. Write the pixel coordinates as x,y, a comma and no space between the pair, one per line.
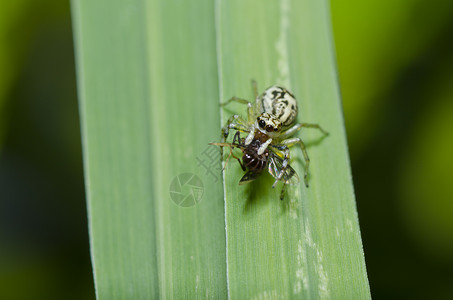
262,124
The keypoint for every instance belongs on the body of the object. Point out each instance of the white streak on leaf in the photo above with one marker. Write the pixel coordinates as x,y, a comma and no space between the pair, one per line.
281,44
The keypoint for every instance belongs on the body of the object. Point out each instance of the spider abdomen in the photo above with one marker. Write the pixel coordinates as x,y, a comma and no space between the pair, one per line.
280,103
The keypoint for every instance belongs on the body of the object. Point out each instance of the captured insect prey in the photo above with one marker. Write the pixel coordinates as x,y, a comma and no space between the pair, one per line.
255,164
270,125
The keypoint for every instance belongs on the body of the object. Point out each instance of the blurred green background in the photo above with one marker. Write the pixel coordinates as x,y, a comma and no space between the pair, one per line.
395,61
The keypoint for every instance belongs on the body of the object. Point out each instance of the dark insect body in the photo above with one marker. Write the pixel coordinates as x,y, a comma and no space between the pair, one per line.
254,164
252,160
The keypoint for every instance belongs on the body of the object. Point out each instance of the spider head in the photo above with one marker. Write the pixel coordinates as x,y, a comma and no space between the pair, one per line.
269,124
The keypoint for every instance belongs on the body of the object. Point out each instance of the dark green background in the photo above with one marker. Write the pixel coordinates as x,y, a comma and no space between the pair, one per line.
395,61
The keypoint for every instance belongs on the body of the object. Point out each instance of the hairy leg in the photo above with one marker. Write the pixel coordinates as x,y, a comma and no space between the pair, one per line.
291,131
298,141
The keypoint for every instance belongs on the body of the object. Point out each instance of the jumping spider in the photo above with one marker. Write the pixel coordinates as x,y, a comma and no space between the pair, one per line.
270,126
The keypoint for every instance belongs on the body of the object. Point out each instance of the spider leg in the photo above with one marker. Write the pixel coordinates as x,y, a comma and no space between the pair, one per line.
253,109
235,122
238,100
264,146
258,107
298,141
292,130
282,193
254,88
282,148
250,110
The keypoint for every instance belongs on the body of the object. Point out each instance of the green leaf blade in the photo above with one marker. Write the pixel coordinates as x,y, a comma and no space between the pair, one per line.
288,249
141,130
150,77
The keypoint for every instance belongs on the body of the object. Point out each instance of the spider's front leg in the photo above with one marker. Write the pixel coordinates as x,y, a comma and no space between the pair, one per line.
242,101
235,122
291,131
298,141
253,110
